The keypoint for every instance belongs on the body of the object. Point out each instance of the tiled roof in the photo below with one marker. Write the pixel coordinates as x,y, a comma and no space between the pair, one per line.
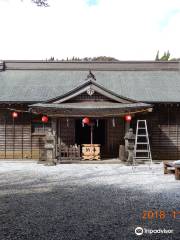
105,109
85,105
40,81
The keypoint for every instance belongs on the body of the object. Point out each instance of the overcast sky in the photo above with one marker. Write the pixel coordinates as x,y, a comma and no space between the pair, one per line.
124,29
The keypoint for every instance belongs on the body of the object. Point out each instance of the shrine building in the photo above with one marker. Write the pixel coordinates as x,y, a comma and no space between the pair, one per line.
88,103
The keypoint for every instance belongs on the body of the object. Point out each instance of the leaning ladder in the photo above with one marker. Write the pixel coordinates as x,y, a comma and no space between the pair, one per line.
142,151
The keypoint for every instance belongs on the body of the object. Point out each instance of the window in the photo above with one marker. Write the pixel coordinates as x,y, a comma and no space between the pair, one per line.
37,126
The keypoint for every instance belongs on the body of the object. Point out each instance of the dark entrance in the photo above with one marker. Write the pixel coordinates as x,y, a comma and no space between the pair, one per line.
83,134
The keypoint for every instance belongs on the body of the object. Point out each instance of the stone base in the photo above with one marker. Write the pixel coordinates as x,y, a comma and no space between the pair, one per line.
122,153
40,161
51,162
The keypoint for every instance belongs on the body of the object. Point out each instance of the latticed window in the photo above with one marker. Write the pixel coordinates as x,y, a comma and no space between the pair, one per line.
38,126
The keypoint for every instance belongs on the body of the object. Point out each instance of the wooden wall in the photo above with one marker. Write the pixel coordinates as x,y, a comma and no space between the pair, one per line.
16,138
164,130
18,141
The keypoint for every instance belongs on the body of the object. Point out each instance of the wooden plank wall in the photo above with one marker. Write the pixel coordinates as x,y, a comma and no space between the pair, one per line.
164,130
16,138
115,136
2,136
166,133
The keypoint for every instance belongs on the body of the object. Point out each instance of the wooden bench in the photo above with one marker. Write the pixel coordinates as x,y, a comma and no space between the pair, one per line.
171,167
177,172
168,167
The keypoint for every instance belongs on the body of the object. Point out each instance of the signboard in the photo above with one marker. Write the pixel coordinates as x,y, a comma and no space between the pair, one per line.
91,151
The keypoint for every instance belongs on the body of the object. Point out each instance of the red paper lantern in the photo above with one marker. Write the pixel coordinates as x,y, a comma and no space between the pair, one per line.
44,119
14,114
128,118
86,120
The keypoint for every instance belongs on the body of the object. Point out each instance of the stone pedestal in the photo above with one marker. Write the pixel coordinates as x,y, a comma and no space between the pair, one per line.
122,156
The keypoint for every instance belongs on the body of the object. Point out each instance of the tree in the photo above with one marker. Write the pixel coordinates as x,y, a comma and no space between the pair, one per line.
175,59
157,56
164,57
95,59
85,59
41,3
51,59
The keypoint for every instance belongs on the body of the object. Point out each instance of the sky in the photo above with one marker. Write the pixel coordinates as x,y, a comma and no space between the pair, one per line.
123,29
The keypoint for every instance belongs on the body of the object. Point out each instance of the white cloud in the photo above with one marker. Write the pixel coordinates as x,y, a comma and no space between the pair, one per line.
125,29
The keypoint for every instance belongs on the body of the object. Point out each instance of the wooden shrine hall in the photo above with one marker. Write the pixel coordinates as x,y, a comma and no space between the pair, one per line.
85,103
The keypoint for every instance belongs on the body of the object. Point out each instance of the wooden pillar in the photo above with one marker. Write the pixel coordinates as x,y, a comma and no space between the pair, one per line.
54,125
13,135
127,127
58,131
54,130
5,142
22,127
91,133
31,149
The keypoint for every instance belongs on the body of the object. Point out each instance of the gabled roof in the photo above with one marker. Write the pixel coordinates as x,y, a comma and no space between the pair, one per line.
37,81
90,85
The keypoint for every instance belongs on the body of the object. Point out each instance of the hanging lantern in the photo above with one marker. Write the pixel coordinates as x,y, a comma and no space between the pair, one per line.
86,120
128,118
14,114
44,119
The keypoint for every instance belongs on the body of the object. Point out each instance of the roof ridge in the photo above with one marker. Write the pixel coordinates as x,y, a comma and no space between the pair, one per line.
74,61
93,66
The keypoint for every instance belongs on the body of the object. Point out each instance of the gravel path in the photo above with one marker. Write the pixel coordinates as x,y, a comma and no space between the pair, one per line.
89,201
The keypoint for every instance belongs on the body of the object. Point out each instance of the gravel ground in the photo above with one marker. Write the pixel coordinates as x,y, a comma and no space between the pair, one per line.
89,201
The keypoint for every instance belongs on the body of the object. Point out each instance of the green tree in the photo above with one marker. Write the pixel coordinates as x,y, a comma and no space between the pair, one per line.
157,56
175,59
165,56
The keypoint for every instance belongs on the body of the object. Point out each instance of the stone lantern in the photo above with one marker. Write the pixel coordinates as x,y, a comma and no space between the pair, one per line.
130,137
49,147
